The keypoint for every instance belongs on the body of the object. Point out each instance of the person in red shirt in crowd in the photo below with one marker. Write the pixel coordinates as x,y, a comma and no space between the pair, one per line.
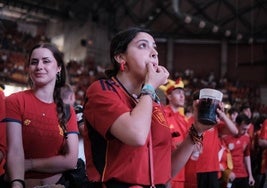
208,173
233,113
263,144
226,165
245,109
127,139
3,147
239,146
190,166
42,140
69,98
177,121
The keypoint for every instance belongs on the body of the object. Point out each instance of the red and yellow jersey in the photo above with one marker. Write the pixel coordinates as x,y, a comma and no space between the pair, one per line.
263,135
42,135
178,125
211,144
2,132
239,147
107,157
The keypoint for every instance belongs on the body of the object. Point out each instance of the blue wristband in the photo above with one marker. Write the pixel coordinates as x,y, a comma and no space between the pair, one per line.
148,87
149,90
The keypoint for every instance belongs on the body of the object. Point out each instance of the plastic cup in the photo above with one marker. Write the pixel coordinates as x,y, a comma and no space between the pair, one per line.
208,103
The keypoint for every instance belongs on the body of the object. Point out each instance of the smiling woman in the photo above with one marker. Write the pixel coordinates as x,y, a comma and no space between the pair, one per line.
43,67
38,113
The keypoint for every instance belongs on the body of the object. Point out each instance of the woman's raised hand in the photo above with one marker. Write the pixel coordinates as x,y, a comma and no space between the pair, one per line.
156,75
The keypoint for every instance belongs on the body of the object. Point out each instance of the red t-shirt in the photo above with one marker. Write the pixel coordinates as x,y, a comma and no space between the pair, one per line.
42,135
107,157
239,148
2,105
178,125
263,135
2,132
190,166
208,160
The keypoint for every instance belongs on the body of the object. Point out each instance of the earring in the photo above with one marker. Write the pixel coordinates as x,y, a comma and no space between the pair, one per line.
122,66
58,77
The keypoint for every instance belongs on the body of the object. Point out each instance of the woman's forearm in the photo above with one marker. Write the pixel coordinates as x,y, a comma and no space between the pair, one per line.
54,164
181,155
59,163
15,164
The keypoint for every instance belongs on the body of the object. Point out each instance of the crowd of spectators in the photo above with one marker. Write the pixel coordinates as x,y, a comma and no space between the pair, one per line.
14,45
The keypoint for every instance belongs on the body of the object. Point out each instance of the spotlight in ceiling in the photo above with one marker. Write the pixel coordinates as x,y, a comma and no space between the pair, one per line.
202,24
151,17
250,40
227,33
187,19
215,29
239,36
158,10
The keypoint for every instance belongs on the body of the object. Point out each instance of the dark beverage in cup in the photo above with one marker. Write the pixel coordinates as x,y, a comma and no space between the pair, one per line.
208,103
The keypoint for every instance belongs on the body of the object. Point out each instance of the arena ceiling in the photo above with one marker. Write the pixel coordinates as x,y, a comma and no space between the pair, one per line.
237,20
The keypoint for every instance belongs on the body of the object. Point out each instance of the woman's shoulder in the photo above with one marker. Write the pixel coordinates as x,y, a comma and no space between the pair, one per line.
103,85
19,95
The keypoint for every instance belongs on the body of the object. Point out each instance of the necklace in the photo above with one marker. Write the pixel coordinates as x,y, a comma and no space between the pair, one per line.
134,97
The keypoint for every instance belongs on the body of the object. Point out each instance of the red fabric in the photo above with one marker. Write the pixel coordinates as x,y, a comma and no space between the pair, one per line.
239,148
251,131
223,160
210,151
190,166
2,132
222,129
177,184
107,101
263,135
190,120
190,174
41,133
178,125
2,104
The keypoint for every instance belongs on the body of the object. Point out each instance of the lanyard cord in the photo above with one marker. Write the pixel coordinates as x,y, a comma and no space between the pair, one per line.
150,153
151,164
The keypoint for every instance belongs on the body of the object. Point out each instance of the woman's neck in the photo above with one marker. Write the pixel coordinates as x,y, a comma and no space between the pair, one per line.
133,86
179,109
44,94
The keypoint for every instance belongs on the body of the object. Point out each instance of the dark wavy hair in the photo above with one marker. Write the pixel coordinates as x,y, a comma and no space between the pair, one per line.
242,118
60,81
119,44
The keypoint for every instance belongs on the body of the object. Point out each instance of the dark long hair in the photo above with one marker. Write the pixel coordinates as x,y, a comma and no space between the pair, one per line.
119,44
60,81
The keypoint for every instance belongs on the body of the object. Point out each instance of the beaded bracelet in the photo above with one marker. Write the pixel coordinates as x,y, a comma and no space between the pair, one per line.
195,137
22,182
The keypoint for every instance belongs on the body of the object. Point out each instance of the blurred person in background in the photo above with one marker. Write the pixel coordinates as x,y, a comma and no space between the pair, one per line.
208,173
176,119
233,113
239,146
68,97
3,147
262,142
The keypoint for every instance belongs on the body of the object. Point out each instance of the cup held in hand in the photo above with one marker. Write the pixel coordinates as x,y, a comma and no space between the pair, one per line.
208,103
